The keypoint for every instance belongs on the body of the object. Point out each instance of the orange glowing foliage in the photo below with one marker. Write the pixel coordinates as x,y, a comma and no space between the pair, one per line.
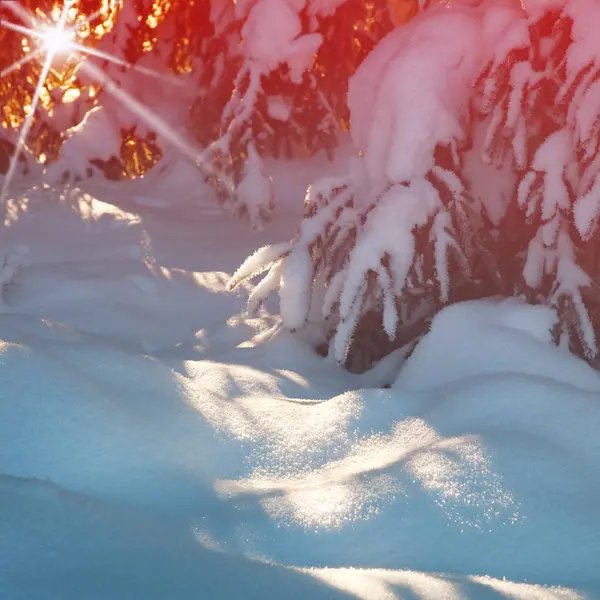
17,86
92,19
183,35
402,11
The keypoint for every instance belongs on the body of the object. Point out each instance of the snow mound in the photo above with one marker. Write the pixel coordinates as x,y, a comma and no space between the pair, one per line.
236,463
242,446
412,93
489,337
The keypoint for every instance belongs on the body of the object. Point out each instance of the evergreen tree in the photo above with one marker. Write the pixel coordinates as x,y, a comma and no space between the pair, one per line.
477,174
253,79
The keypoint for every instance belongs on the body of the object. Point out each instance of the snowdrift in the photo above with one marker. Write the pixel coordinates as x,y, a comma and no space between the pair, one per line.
138,460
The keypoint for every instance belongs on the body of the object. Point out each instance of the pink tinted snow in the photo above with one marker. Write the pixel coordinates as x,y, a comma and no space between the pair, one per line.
272,35
410,94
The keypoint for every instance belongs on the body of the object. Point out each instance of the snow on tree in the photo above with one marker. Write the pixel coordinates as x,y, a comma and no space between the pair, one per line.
477,173
286,91
216,83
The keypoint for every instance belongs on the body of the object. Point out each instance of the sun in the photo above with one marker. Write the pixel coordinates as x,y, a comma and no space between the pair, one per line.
57,40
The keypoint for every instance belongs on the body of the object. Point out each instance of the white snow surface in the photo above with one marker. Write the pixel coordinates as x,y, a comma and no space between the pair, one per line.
155,443
95,137
412,92
272,34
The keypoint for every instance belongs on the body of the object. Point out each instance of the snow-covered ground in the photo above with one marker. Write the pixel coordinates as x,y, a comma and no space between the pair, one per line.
155,444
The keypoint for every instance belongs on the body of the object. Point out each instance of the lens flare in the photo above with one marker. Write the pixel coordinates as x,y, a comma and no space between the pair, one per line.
57,40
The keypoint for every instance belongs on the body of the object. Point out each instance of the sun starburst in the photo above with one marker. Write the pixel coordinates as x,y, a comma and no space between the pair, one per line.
59,38
60,26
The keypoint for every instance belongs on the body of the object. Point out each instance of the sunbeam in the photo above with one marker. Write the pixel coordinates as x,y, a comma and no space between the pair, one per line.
123,63
24,15
17,10
50,39
61,42
159,125
59,39
22,61
32,108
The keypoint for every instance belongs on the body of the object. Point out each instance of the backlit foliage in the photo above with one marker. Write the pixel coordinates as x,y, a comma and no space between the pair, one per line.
17,87
481,178
62,85
198,38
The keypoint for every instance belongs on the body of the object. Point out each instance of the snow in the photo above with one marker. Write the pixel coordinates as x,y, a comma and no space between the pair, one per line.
255,190
294,295
160,438
272,35
491,186
587,210
157,443
94,138
278,108
552,158
494,325
387,235
259,261
423,68
586,119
